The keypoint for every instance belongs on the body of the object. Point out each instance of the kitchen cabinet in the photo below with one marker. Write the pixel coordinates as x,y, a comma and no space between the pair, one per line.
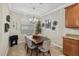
72,16
71,46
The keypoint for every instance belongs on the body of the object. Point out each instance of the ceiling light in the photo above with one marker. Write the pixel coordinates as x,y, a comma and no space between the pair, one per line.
33,19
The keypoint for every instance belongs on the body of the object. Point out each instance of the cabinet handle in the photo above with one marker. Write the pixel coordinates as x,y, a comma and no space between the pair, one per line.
77,21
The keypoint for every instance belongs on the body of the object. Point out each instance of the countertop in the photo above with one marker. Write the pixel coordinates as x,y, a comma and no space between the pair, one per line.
73,36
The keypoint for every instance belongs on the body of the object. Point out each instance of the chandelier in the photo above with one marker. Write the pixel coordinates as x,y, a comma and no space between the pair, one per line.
33,19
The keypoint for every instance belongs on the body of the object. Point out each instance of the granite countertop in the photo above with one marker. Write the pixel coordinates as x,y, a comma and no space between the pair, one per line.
73,36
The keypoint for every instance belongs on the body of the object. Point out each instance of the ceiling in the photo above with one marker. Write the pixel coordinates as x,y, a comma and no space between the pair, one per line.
40,8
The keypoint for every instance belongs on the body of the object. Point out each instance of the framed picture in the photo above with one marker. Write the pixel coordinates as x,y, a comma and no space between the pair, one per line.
6,27
48,24
8,18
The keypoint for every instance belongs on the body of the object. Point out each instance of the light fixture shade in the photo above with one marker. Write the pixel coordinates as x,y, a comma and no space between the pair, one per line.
33,20
30,19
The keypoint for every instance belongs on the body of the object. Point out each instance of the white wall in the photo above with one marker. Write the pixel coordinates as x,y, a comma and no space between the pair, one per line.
18,19
57,35
16,22
3,35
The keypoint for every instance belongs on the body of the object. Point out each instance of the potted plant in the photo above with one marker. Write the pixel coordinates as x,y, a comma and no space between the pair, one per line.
38,28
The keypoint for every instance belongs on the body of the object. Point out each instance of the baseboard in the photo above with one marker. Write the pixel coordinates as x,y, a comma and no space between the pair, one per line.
57,45
20,42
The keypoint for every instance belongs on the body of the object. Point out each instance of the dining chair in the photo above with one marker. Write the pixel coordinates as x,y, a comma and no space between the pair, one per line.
26,39
30,46
45,47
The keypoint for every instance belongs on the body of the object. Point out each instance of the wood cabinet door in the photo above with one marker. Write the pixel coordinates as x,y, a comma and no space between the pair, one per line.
71,16
67,49
70,47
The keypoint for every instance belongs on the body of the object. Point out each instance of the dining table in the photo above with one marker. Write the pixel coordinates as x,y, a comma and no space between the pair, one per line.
36,40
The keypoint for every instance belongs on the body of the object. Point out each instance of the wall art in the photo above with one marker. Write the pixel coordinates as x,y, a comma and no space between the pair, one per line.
53,28
55,23
6,27
8,18
48,24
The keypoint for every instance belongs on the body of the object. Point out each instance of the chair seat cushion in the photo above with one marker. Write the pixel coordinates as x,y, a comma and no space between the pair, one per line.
43,49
